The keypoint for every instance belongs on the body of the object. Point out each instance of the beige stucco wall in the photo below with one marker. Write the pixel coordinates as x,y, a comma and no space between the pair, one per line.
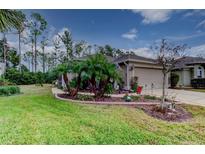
184,77
186,74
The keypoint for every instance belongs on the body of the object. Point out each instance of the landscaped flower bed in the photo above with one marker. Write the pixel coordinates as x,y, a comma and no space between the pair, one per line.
86,97
149,104
179,114
9,90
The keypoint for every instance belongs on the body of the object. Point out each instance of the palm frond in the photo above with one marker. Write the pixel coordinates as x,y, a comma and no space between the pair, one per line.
10,19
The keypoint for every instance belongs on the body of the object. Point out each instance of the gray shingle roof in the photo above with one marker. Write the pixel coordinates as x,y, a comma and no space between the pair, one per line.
130,57
186,61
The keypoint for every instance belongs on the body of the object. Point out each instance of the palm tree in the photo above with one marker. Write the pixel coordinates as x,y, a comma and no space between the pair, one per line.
10,19
20,29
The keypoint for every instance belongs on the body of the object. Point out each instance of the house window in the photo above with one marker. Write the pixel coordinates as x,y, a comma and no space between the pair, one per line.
199,72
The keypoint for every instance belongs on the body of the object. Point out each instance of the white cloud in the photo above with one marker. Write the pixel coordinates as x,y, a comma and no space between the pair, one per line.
201,24
197,50
154,16
188,14
194,13
131,35
186,37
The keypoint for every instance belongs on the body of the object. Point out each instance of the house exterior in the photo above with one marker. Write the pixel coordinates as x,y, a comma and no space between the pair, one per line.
2,68
188,68
145,72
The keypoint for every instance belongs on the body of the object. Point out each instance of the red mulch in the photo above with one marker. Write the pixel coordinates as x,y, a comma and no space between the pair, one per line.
179,114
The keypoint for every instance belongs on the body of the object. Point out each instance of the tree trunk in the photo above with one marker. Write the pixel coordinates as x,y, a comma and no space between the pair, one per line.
35,53
29,64
32,57
65,78
5,49
78,85
93,83
163,90
102,87
43,60
19,51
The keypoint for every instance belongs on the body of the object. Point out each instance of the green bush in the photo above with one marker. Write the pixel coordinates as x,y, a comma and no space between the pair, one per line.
174,79
109,88
9,90
5,82
25,77
198,83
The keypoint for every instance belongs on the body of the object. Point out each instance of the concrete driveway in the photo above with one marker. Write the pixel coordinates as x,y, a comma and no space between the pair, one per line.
183,96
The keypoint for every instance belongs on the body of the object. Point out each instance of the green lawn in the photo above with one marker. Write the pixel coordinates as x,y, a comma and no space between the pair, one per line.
35,117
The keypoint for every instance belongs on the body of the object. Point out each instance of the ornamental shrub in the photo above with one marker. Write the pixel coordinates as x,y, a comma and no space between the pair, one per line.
9,90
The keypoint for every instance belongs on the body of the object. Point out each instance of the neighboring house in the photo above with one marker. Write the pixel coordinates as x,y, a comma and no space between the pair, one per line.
189,68
2,68
145,72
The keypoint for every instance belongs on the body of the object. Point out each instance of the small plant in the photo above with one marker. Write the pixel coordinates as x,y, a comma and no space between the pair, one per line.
135,98
85,97
127,98
9,90
109,88
150,97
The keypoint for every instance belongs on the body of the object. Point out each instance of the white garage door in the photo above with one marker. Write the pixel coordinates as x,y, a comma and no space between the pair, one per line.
149,77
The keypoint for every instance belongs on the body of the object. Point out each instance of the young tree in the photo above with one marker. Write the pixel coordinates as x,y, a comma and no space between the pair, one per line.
73,49
79,48
13,58
109,51
27,57
1,50
51,60
166,56
20,28
37,25
57,52
5,49
66,38
44,43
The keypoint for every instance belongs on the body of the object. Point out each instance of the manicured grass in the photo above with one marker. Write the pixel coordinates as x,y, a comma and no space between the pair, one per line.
35,117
